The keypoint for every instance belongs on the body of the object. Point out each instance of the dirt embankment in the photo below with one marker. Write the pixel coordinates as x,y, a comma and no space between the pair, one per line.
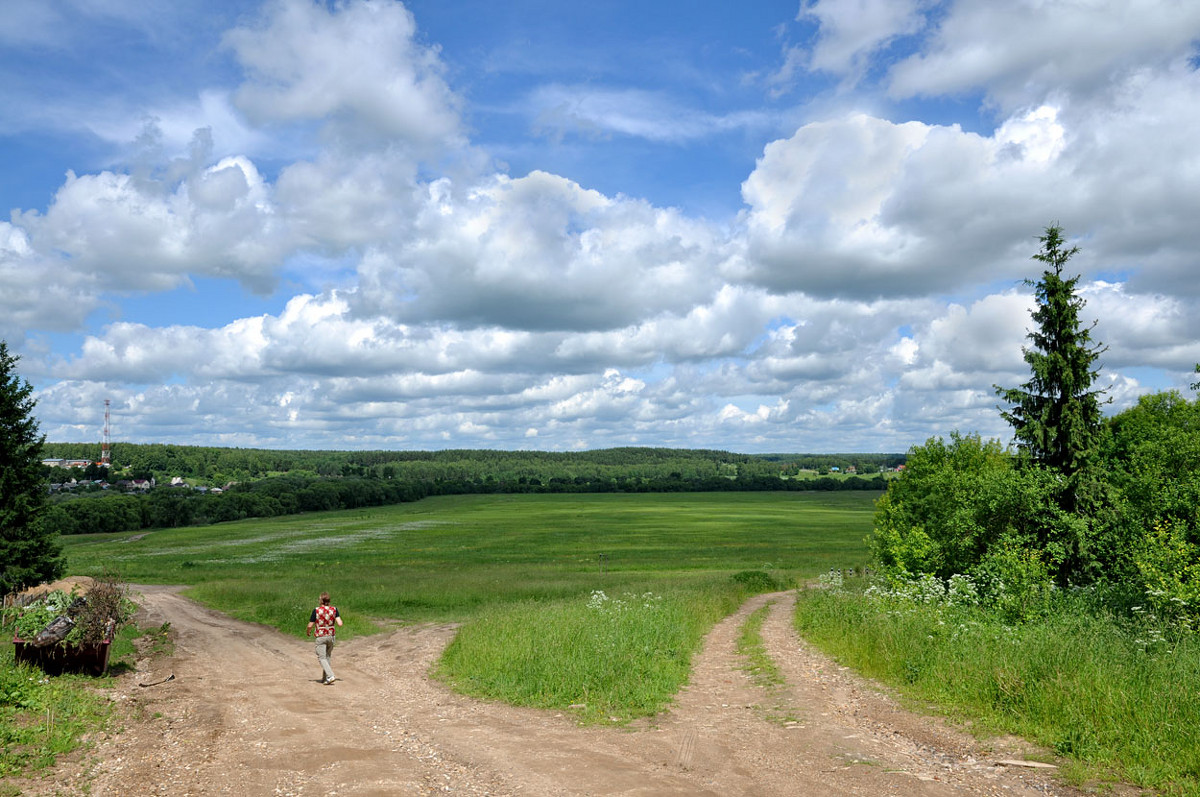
245,714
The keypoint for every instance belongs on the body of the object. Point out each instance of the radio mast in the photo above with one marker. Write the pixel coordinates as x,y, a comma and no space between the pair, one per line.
106,445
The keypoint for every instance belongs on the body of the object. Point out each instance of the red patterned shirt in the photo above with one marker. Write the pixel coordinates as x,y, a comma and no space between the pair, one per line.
324,617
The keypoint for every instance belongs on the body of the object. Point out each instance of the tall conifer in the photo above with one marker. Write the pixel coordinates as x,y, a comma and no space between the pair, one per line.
1056,414
29,553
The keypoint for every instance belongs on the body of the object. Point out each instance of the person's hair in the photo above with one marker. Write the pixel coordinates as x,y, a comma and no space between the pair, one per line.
324,598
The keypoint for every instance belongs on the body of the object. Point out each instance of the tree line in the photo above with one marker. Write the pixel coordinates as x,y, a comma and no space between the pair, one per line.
100,511
216,466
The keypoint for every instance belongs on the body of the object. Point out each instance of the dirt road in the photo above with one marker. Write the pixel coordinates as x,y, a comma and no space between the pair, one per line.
246,715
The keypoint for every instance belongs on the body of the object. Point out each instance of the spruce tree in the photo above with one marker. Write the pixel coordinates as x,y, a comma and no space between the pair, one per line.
1056,414
29,553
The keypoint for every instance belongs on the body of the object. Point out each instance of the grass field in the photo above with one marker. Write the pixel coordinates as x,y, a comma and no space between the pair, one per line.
449,558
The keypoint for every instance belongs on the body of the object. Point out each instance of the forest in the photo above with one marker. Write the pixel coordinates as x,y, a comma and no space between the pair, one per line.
265,483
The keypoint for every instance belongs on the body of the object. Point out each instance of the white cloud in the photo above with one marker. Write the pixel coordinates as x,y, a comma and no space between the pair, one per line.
594,112
35,296
171,128
138,234
1143,330
868,296
862,206
358,64
541,252
854,31
1022,52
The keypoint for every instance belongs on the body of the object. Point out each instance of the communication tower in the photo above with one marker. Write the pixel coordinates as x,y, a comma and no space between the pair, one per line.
106,445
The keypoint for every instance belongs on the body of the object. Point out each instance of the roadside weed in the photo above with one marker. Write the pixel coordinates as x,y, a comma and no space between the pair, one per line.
1119,700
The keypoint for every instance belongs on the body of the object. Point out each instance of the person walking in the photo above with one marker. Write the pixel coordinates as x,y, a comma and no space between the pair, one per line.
325,619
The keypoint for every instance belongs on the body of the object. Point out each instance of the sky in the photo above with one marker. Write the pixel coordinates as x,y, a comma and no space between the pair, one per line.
801,226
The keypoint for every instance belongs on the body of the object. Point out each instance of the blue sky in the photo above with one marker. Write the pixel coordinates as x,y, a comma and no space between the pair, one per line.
777,226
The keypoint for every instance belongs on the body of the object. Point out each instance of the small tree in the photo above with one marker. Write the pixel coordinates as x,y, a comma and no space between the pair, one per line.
29,553
1056,414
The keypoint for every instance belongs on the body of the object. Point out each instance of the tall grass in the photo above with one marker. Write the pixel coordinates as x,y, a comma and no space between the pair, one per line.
608,658
1118,701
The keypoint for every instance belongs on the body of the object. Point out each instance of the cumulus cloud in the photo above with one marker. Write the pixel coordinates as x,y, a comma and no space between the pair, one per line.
870,291
860,206
146,234
357,64
59,303
863,206
1022,52
1142,330
541,252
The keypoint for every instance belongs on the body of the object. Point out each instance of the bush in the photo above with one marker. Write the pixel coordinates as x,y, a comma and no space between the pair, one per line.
1015,582
951,504
761,581
1169,566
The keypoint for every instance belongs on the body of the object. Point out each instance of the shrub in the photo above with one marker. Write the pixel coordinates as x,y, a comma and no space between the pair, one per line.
761,581
1169,566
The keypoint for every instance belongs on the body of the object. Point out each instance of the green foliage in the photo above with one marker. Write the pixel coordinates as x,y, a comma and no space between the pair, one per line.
361,481
949,505
1017,582
755,581
1152,463
1169,566
1056,414
29,553
1019,524
967,507
627,469
1152,458
27,621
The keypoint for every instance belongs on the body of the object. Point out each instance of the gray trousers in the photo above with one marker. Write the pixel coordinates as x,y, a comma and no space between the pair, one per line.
324,650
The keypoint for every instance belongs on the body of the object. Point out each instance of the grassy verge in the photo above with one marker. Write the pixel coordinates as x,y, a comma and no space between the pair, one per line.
1114,701
42,718
608,658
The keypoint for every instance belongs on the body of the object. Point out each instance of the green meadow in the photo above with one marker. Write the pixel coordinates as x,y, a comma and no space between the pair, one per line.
592,600
447,558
